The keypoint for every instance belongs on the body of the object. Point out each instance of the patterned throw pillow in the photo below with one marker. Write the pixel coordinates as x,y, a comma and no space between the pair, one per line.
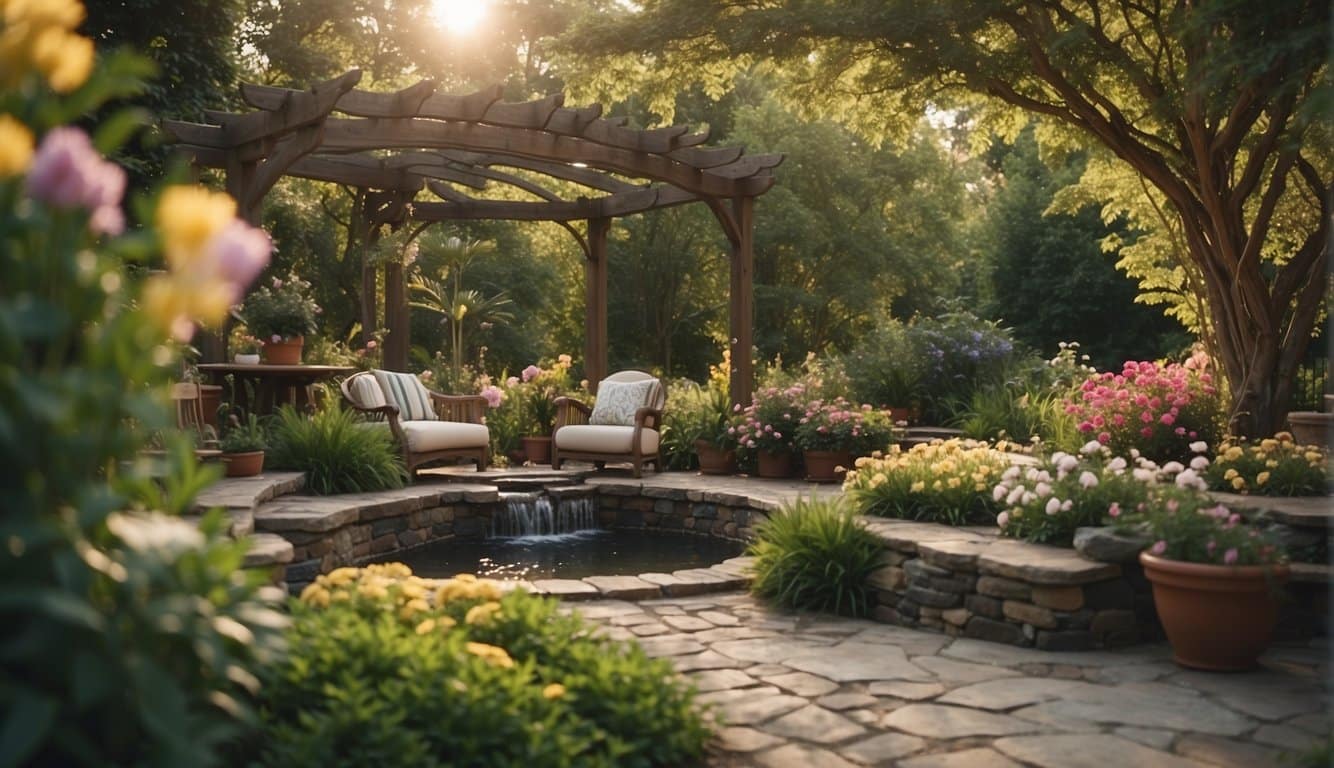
367,392
405,391
618,400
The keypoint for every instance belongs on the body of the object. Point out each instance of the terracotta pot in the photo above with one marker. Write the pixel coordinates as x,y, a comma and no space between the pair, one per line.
210,398
772,464
286,352
1312,428
823,466
900,414
537,449
714,460
1217,617
246,464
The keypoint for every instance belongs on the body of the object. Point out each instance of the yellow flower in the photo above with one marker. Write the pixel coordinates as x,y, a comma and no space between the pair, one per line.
412,608
16,147
918,487
340,576
66,59
1238,483
1268,444
491,654
425,627
553,691
481,614
188,217
66,14
1228,475
953,482
1284,437
1233,453
1262,478
1313,456
465,577
373,591
1272,463
315,595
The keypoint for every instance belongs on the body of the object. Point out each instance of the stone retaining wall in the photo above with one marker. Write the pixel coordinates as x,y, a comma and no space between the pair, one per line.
672,510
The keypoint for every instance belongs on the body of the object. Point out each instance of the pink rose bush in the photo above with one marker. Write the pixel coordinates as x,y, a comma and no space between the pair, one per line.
838,425
769,423
1188,526
1155,408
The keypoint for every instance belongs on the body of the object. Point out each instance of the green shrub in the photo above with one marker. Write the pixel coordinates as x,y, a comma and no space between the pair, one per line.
884,369
387,669
815,555
695,413
948,482
244,435
1008,413
338,453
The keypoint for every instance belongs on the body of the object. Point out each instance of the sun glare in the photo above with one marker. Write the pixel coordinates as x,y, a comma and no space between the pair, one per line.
458,16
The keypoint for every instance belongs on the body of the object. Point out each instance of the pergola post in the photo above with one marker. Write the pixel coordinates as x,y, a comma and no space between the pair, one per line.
741,314
595,303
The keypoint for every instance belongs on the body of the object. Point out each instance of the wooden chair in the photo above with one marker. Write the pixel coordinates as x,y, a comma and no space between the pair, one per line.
188,398
454,429
634,440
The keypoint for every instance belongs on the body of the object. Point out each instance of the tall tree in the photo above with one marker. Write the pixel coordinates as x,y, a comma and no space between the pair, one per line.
1213,103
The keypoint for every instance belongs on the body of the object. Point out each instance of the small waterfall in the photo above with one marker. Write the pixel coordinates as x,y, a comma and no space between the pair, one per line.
533,514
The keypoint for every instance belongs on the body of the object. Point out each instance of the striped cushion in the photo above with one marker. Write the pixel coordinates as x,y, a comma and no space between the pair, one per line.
366,391
618,400
405,391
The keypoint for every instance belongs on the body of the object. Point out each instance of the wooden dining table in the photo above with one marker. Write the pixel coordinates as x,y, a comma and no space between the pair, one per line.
262,388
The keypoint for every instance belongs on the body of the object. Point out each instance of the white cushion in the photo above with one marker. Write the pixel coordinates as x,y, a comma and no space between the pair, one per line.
405,391
619,400
427,436
591,438
366,391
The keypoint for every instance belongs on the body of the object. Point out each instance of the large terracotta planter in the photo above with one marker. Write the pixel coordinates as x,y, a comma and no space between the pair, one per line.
1312,428
824,466
246,464
770,464
537,449
285,352
714,460
1217,617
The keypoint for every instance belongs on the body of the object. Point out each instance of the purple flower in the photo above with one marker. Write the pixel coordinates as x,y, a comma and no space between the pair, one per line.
67,172
1158,547
1230,556
239,252
276,339
531,372
493,396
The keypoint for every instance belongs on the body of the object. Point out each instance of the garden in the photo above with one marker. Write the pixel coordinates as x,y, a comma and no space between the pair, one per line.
963,374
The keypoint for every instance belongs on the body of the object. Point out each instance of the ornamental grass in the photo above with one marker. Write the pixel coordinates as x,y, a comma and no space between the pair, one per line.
1277,466
945,481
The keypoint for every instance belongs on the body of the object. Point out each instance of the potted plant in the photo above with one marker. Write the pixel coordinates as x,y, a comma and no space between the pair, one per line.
831,435
243,445
767,428
707,420
280,315
537,389
247,349
1215,580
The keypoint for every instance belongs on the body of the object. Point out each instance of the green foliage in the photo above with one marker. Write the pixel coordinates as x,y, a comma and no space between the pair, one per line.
883,368
695,413
283,309
244,435
383,671
1272,467
128,633
1009,413
946,482
338,453
815,555
839,426
1190,527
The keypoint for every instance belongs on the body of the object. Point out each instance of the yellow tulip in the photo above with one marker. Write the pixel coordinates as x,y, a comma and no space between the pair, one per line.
188,217
16,147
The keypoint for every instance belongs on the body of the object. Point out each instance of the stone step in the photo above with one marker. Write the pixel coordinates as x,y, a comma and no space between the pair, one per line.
1297,511
268,549
943,433
1311,573
320,514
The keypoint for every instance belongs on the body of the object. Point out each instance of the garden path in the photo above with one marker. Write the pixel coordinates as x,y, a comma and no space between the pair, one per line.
816,691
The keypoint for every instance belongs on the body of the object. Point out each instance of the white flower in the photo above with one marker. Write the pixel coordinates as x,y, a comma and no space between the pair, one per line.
1172,467
1134,453
1031,474
1068,463
1144,475
1067,505
1043,490
1117,465
1011,474
1189,479
1091,447
1199,446
1015,496
1044,476
1053,505
1002,519
1087,479
1029,497
999,492
1199,463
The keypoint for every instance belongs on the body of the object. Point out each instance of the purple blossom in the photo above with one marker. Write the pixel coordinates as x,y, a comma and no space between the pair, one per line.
239,252
67,172
493,395
531,372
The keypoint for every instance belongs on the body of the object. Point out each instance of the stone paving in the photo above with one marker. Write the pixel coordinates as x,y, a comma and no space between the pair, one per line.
815,691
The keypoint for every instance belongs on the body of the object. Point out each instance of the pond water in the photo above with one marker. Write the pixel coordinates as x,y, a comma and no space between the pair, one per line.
568,555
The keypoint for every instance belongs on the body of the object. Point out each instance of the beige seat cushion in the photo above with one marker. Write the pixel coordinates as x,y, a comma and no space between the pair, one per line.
426,436
604,439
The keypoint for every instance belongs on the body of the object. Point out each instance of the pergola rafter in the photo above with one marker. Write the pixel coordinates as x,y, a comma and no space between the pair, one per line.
396,147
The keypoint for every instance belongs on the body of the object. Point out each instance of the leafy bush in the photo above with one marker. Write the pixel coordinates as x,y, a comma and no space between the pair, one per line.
1007,413
1158,409
1190,527
1274,467
386,668
959,353
814,555
338,453
769,423
696,413
942,482
243,436
281,310
884,369
839,426
128,633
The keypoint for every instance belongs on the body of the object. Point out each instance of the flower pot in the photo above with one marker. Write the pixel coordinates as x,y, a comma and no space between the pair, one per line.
1217,617
1312,428
285,352
770,464
246,358
537,449
900,415
826,466
246,464
714,460
210,399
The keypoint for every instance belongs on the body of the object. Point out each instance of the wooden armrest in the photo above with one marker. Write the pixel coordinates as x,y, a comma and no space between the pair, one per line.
571,411
465,408
648,418
390,411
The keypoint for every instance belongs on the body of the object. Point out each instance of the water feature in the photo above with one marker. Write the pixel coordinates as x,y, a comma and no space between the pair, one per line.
533,514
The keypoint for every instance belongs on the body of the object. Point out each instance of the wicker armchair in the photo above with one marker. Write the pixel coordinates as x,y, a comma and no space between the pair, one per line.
453,431
636,442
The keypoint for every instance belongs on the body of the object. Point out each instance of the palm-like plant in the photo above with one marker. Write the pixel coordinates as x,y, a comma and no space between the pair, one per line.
446,296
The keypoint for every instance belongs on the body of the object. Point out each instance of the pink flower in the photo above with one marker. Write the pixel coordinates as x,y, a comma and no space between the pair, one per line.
1158,547
494,397
1114,510
1230,556
531,372
512,381
1167,419
67,172
1002,519
277,283
276,339
371,344
237,253
1104,437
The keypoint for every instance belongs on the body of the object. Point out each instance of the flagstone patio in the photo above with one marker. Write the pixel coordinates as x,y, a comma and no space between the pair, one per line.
817,691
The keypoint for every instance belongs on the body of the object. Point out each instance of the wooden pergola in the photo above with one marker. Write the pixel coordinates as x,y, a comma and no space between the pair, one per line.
393,147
